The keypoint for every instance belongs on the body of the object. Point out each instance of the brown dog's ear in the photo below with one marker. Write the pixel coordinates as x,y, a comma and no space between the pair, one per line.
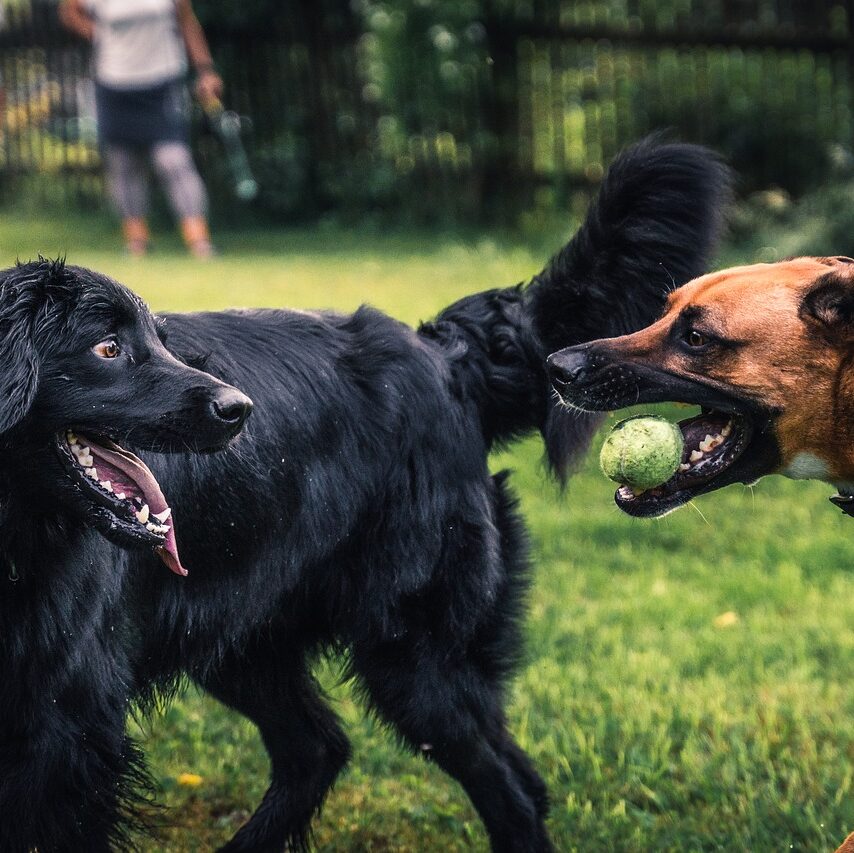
830,305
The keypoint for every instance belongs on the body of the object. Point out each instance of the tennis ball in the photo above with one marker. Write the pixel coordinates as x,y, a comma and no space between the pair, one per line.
642,452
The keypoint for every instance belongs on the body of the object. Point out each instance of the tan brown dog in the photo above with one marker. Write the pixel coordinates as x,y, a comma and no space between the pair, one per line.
767,351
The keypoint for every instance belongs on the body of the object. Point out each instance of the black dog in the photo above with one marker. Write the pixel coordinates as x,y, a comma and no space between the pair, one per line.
82,366
357,510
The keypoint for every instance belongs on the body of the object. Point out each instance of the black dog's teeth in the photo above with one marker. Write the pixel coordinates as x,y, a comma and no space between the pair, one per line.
82,455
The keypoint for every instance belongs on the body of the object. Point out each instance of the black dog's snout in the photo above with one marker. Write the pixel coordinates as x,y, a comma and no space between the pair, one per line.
568,366
232,407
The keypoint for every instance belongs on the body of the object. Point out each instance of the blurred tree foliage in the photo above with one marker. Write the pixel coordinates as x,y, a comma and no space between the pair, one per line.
428,107
467,109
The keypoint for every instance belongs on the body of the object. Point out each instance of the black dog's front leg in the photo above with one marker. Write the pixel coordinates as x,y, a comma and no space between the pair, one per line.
69,778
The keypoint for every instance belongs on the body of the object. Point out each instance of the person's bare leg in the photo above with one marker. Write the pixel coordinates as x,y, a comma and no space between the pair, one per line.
135,231
194,230
173,162
127,182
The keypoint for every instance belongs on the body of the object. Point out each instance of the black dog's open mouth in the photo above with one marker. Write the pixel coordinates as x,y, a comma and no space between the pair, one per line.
712,457
121,486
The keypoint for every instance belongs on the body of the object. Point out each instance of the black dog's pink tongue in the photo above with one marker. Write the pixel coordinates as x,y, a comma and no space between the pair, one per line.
118,465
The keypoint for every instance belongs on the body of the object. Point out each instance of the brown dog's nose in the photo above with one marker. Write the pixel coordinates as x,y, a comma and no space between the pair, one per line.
232,407
567,366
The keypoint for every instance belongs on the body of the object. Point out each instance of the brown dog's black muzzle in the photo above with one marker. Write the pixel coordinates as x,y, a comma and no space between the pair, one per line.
588,377
600,378
569,366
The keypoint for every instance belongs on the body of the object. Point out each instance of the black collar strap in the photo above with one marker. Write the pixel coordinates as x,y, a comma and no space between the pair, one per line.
844,501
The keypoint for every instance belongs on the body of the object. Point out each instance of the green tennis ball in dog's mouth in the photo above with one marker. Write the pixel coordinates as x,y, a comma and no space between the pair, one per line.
642,452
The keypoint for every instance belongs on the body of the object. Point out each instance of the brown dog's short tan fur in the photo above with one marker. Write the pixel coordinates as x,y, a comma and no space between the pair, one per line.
793,353
770,345
779,337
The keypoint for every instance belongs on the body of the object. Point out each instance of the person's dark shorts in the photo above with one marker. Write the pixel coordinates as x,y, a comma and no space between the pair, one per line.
143,117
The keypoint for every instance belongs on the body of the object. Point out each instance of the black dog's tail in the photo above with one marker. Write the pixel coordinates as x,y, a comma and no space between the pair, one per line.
652,227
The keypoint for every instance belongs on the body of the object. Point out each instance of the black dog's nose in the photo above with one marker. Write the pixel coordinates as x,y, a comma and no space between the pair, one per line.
232,407
567,366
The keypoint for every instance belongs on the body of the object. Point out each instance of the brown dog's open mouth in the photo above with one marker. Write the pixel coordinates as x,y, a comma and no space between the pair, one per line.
124,492
714,442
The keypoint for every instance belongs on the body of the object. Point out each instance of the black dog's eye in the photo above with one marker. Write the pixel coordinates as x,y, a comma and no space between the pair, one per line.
694,338
107,349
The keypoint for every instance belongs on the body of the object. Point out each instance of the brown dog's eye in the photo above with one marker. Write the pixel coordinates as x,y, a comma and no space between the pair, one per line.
107,349
695,339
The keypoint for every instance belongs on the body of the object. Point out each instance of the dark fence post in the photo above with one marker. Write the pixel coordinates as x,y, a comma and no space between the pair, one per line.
502,168
849,38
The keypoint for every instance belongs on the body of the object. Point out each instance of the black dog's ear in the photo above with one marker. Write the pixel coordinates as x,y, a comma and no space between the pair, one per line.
829,306
20,295
18,373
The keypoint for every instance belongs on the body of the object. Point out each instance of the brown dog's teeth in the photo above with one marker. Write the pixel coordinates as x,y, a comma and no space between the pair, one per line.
710,442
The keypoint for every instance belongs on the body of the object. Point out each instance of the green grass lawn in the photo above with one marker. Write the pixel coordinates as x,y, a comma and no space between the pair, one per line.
689,682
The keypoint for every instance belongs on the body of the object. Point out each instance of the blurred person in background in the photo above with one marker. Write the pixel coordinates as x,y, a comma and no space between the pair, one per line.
142,49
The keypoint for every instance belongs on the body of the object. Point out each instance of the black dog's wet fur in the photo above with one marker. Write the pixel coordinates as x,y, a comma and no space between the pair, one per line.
357,510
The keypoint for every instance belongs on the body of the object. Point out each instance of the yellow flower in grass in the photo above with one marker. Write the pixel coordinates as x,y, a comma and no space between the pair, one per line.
190,780
726,619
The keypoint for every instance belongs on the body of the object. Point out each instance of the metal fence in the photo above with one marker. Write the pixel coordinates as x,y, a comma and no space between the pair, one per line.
337,118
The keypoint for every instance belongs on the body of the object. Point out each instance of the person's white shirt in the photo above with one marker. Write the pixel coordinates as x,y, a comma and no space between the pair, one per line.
137,43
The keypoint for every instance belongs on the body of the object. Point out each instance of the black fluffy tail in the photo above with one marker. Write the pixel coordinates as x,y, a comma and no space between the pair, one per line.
652,227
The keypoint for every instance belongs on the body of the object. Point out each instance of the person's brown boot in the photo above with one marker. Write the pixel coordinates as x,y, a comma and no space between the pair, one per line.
136,236
197,237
